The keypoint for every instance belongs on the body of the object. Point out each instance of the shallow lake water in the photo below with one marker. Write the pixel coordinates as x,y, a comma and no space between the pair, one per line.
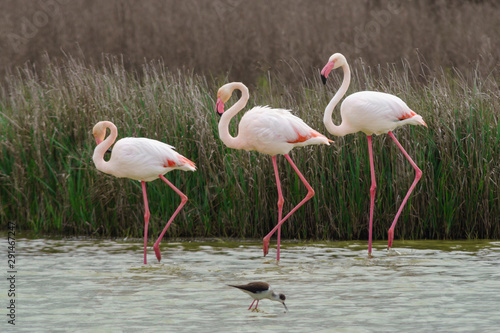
80,285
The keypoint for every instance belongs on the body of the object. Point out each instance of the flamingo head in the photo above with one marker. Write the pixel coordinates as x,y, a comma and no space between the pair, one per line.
417,120
336,60
99,132
223,96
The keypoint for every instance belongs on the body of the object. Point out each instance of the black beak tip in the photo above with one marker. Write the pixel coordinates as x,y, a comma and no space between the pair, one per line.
323,79
220,114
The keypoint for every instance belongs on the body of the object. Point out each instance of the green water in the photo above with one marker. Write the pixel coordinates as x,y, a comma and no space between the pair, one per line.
102,286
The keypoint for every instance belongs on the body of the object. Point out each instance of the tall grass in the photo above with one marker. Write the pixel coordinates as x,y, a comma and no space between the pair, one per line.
248,38
48,183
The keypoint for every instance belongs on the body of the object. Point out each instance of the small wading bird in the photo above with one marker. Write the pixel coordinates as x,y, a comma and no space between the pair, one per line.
370,112
269,131
261,290
140,159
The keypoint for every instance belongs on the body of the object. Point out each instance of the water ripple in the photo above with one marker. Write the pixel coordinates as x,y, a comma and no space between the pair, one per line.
101,286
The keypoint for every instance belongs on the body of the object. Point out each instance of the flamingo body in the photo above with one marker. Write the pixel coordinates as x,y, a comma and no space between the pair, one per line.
140,159
373,112
275,131
144,159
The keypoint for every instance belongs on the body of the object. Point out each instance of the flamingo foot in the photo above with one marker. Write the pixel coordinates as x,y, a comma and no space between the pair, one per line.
266,245
391,237
156,247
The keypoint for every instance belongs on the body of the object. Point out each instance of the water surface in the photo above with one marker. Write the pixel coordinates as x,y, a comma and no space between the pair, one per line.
101,286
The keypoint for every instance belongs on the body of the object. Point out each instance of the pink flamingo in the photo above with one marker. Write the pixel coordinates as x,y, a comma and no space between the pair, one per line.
140,159
269,131
370,112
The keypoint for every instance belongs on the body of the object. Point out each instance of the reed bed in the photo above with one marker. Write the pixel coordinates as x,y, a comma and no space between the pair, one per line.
49,184
250,37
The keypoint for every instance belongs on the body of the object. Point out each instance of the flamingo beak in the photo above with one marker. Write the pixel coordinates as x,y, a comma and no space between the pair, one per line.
219,106
423,123
326,70
323,79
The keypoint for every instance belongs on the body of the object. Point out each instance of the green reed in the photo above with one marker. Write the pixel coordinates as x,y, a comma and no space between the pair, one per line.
49,184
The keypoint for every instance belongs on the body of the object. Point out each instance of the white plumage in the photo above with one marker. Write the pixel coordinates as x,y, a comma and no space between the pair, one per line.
275,131
374,112
145,159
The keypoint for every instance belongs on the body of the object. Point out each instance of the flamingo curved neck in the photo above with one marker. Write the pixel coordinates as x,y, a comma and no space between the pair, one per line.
343,129
225,136
101,148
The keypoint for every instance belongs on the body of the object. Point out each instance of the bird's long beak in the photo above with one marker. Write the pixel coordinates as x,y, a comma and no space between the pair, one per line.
323,79
326,70
285,306
219,106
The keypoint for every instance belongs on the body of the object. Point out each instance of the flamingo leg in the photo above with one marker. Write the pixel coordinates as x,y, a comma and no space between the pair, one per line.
146,220
251,304
372,193
418,175
310,194
184,199
280,209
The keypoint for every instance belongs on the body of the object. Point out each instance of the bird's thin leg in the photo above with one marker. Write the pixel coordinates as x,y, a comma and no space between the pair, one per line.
184,199
146,220
256,305
251,304
310,194
280,209
418,175
372,193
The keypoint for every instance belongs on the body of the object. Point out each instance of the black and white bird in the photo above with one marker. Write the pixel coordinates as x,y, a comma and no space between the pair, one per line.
260,290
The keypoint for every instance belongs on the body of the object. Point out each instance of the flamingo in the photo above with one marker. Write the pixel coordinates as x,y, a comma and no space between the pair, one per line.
370,112
269,131
140,159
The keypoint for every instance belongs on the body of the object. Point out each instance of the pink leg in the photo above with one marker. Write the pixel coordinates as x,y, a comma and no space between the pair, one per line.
256,305
146,220
280,209
251,304
372,193
310,194
184,199
418,175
